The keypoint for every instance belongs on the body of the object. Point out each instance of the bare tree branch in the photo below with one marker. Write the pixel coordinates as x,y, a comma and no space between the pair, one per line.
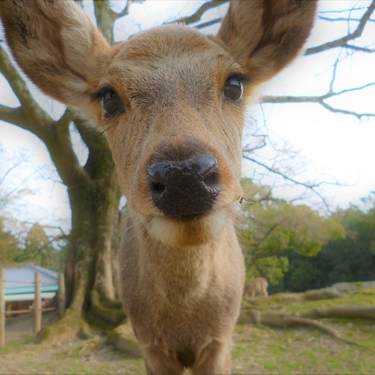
106,17
334,71
320,99
311,187
9,170
258,146
341,19
209,23
98,147
360,49
125,11
343,42
66,118
354,9
195,17
13,116
30,116
30,108
9,193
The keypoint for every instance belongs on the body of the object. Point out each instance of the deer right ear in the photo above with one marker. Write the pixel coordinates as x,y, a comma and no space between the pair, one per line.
264,36
57,46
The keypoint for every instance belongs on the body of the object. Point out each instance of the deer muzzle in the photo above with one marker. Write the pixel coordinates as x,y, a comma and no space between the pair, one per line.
185,188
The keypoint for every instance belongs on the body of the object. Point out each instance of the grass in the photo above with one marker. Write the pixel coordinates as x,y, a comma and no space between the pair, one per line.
300,351
263,350
257,349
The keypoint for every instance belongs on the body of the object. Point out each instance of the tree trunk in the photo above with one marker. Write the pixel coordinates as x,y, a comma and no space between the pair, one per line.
90,289
91,272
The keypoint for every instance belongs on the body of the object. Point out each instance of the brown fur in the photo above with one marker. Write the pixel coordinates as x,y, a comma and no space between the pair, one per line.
182,280
256,286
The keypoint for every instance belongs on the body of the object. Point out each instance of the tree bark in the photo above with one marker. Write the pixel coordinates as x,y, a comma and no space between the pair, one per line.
94,198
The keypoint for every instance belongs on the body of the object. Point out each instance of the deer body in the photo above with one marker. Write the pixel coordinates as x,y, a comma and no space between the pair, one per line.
171,101
256,286
168,300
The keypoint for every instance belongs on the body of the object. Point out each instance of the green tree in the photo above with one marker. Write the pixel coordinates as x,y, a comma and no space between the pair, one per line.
351,259
303,273
341,260
9,246
38,249
274,227
37,244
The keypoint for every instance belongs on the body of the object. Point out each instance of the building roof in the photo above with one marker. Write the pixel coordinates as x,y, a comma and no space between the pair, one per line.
20,279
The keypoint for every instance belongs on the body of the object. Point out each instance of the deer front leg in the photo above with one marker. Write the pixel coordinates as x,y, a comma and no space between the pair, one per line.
214,360
159,363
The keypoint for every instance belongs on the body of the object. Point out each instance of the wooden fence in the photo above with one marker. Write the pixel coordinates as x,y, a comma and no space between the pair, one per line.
37,308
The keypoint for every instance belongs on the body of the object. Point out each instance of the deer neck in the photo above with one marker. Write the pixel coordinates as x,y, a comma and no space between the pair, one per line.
182,270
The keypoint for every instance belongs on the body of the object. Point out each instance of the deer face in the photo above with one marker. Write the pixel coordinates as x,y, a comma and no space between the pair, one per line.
173,114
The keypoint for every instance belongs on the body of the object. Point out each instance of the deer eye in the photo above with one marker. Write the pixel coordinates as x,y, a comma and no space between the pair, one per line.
233,89
112,103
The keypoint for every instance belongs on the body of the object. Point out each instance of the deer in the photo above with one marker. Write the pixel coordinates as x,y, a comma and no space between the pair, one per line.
171,101
256,286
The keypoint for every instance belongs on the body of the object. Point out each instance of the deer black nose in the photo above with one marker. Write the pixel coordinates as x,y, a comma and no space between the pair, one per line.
187,187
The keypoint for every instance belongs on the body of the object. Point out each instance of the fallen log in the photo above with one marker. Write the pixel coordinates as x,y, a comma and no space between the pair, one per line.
289,298
285,320
344,311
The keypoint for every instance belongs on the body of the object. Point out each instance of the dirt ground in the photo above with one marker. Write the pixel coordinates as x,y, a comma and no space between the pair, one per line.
18,326
34,359
71,357
59,359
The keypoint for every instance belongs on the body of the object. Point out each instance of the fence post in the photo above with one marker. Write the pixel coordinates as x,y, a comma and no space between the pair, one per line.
37,302
61,295
2,307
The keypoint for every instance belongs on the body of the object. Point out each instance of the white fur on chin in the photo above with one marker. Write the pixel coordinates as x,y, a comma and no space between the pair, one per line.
169,231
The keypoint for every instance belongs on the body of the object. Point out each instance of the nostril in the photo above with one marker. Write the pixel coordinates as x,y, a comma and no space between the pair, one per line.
203,165
158,175
157,188
212,180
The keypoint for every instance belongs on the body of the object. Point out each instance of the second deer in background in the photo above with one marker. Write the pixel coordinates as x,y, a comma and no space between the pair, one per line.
256,286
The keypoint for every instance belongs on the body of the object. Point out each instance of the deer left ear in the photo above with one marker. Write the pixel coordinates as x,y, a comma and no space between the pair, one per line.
265,35
57,47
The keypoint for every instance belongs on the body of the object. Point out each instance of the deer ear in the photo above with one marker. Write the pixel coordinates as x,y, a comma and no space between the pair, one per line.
265,35
57,47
